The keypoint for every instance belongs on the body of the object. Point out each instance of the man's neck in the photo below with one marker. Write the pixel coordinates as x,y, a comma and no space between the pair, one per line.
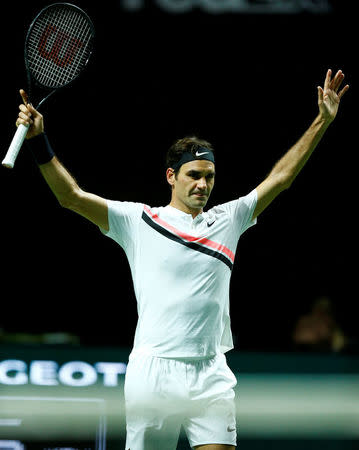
184,208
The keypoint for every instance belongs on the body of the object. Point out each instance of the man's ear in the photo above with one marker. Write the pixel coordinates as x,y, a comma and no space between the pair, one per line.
170,175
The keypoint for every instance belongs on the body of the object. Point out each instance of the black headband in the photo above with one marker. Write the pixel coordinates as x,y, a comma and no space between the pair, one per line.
201,153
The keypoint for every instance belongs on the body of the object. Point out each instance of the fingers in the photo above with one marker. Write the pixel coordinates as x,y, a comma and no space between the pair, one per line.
327,79
337,80
334,84
24,109
25,115
24,96
26,105
24,119
29,116
343,91
29,110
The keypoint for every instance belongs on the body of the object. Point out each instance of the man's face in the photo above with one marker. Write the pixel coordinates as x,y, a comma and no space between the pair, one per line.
192,186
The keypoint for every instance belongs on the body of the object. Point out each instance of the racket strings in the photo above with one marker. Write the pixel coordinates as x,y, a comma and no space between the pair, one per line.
55,42
58,46
66,25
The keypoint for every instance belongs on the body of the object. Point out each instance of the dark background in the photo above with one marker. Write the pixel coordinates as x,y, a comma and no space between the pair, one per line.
245,82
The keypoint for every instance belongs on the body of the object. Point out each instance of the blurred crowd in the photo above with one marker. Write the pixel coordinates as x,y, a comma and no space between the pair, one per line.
319,329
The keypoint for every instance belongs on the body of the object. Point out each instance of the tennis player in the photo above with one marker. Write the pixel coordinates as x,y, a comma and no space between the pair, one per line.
181,259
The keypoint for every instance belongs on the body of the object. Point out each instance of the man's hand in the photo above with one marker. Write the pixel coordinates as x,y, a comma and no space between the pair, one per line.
329,97
28,116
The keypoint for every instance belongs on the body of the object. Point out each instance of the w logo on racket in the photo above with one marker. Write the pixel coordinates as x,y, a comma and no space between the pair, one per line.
63,48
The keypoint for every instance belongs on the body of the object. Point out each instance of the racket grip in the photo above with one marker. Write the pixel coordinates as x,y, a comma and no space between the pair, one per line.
15,146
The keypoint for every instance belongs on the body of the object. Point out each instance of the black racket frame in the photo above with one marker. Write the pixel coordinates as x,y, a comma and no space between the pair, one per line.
31,80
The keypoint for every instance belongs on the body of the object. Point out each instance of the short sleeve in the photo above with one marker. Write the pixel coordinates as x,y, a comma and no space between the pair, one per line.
241,212
123,220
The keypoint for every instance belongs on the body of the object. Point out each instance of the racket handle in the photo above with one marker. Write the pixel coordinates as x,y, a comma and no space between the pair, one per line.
15,146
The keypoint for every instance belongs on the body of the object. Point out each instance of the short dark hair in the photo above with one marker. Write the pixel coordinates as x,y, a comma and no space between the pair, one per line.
186,144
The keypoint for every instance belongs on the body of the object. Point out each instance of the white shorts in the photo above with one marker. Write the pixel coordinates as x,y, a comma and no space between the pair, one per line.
163,394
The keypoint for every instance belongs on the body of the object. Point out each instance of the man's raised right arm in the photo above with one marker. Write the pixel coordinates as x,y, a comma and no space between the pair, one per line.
71,196
60,181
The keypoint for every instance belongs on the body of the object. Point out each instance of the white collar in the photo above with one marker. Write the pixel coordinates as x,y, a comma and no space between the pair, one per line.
179,213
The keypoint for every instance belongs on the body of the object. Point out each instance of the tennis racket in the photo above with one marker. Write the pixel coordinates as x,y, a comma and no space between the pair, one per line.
58,46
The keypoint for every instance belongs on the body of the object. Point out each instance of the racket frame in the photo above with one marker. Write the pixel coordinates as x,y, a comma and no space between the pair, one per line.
30,78
21,132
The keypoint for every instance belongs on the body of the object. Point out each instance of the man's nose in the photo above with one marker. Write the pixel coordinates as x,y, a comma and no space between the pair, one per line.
202,183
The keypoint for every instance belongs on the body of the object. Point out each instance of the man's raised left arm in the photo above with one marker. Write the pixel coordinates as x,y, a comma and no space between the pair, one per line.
287,168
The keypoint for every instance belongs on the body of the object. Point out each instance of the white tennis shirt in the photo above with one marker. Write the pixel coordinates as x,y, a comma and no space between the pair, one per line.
181,269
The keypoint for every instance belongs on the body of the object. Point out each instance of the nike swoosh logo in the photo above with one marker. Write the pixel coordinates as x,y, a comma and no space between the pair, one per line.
200,154
210,224
230,429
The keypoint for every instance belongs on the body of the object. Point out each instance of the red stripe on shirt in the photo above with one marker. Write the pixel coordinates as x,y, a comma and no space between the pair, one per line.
219,247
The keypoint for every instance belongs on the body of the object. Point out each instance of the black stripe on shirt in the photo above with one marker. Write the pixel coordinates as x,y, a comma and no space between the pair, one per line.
192,245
